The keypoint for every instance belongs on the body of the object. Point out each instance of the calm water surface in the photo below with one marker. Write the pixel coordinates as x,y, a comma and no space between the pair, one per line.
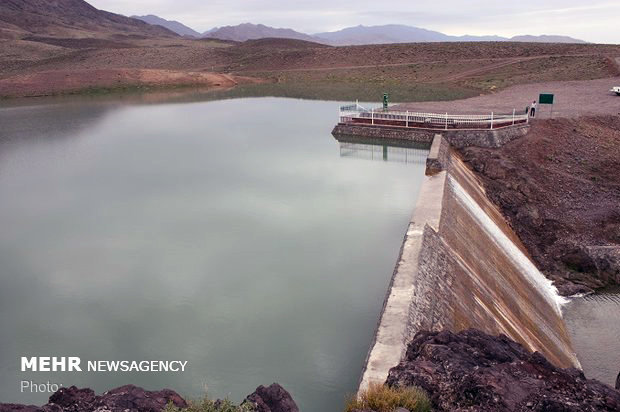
237,235
595,331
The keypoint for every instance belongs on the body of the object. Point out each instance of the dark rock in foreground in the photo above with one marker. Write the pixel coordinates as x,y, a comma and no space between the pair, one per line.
272,399
127,398
131,398
473,371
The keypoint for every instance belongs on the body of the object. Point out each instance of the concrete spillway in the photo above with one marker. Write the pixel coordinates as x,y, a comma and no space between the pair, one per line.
462,266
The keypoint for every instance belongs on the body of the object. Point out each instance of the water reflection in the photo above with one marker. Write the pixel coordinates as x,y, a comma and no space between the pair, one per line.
381,150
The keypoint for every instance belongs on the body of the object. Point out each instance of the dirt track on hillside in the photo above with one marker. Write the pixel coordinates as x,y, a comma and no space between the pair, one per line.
483,62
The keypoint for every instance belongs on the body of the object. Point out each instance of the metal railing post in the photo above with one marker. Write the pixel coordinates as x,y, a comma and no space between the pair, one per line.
446,120
491,120
372,116
513,116
407,119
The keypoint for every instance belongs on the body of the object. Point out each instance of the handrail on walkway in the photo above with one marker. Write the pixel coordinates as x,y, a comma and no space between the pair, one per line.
356,114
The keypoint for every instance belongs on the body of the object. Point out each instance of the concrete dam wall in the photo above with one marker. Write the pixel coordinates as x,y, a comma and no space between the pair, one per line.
462,266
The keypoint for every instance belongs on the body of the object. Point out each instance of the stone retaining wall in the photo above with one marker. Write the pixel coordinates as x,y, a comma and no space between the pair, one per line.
456,138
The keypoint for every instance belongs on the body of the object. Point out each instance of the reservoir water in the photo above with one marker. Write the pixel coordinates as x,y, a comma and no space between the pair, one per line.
236,235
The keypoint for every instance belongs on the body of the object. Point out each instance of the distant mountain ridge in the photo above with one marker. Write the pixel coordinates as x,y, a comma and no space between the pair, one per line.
172,25
546,39
359,35
249,31
77,18
68,18
397,33
391,33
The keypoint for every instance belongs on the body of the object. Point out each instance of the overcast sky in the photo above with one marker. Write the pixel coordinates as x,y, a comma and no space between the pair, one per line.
590,20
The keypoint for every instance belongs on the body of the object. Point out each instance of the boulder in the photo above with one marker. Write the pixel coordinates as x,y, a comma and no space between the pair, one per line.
607,262
579,260
273,398
130,397
73,398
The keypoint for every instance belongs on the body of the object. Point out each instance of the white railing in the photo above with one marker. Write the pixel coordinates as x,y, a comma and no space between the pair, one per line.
352,110
356,114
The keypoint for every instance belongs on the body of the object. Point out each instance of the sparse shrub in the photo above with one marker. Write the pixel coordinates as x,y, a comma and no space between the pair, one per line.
207,405
382,398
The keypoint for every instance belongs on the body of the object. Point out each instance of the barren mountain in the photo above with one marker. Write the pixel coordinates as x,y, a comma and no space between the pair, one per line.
173,25
68,18
249,31
546,39
391,33
397,33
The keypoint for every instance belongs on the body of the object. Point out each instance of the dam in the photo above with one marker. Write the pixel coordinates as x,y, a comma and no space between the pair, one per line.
462,266
460,130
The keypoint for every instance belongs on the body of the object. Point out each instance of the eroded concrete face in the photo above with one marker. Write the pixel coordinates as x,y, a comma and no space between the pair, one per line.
478,274
462,266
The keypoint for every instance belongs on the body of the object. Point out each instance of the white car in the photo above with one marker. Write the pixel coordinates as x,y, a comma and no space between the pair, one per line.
616,90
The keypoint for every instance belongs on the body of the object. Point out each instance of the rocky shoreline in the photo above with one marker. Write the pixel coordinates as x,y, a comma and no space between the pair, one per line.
461,372
130,398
